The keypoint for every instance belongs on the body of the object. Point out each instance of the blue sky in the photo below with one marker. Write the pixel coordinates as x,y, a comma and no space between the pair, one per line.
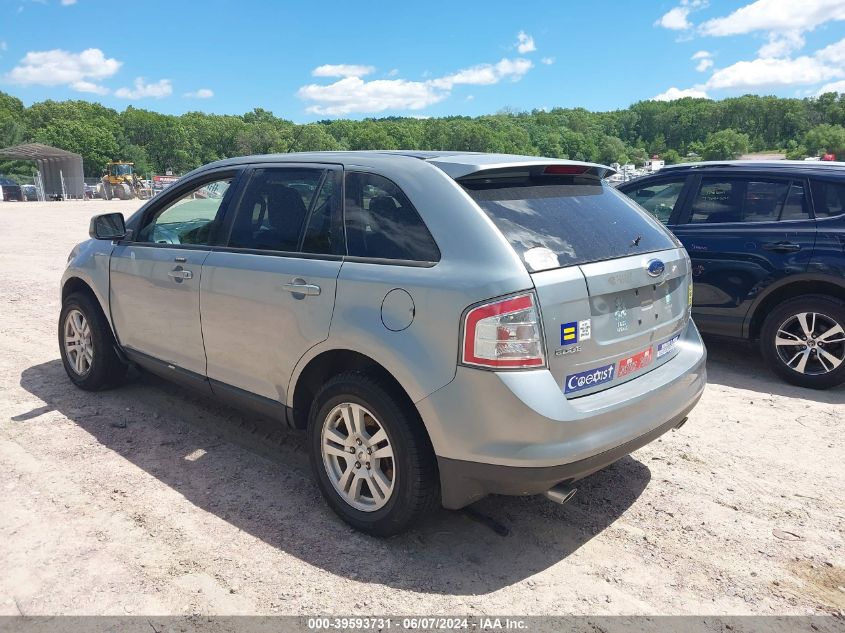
307,61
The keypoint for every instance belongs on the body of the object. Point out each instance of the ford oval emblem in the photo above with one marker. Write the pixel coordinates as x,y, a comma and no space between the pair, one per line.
655,268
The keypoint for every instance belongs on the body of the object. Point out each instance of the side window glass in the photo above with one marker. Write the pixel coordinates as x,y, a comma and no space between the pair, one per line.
382,223
764,201
659,199
191,219
716,201
324,231
274,207
721,200
795,207
828,198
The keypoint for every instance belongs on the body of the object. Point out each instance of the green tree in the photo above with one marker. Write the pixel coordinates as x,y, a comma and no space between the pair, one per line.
671,157
826,138
612,150
725,145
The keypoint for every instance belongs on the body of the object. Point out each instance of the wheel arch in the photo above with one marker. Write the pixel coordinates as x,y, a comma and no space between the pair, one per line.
75,283
330,362
790,288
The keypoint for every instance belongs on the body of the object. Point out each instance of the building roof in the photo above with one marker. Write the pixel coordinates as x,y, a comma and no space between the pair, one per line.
35,151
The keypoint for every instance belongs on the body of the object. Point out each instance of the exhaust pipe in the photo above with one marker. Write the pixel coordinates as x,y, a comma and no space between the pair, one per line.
560,494
680,424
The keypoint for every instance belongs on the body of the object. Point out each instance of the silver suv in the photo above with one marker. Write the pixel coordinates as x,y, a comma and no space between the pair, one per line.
444,325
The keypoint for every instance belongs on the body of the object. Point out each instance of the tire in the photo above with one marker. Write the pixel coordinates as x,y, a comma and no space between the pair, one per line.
806,363
100,367
412,469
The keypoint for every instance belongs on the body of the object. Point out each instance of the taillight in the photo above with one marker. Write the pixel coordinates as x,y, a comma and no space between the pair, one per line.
504,333
565,170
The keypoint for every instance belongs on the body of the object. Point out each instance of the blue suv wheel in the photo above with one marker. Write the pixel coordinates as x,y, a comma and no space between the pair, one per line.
804,341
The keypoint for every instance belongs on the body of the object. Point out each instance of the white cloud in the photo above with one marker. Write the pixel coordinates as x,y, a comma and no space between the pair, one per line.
353,94
161,88
772,72
485,74
342,70
705,60
548,61
58,67
3,45
392,72
67,3
776,15
836,86
679,93
677,19
525,43
89,86
202,93
782,44
834,54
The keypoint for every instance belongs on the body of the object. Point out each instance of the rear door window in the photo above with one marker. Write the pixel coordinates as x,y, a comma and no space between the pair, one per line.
556,222
727,200
659,199
289,210
828,198
382,223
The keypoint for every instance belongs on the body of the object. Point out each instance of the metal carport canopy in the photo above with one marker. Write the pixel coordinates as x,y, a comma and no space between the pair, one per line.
55,166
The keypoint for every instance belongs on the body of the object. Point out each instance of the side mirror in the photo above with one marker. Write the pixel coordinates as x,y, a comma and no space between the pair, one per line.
109,226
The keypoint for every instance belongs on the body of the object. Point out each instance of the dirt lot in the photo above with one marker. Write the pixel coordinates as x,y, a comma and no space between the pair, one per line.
147,499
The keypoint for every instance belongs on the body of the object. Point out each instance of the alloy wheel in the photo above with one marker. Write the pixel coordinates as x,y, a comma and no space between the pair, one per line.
811,343
79,347
358,457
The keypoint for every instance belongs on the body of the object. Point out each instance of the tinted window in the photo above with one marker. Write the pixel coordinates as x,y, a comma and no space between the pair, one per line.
721,200
189,220
274,210
382,223
658,199
828,198
324,230
554,225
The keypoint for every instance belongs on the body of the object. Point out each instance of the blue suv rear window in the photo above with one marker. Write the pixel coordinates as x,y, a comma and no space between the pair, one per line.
556,224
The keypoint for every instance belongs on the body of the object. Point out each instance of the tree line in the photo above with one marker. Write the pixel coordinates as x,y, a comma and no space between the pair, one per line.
676,130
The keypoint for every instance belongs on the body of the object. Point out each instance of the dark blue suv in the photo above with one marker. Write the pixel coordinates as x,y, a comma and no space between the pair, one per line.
767,243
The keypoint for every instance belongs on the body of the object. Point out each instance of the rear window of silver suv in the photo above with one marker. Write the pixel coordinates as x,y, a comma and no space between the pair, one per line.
559,222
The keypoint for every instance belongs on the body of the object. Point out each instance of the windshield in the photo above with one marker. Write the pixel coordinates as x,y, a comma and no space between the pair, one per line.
551,225
121,170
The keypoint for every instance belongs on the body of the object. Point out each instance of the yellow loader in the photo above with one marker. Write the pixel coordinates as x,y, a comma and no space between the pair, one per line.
120,181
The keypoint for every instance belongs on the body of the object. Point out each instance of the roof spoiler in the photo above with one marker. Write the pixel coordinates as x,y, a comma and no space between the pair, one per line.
466,172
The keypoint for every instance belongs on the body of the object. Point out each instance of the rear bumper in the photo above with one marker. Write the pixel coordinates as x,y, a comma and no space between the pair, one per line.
464,482
515,433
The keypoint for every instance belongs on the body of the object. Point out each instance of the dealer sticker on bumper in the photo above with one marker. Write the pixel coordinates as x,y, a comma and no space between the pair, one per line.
667,346
634,363
589,379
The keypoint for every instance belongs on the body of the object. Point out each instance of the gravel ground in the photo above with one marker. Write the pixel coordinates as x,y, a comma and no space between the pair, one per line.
151,500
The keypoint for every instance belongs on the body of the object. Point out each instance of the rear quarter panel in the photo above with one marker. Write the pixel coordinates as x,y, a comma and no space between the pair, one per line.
476,264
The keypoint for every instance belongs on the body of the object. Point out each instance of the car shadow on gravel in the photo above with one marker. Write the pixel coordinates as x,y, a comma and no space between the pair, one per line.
740,365
256,477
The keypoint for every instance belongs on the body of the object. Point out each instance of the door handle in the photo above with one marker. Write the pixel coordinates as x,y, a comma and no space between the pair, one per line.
782,247
300,287
179,274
